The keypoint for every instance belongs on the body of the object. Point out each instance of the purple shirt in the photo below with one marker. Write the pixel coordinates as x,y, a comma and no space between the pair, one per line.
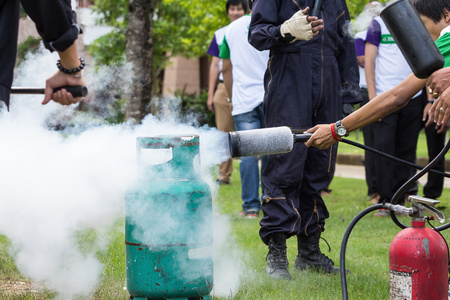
374,33
213,49
360,46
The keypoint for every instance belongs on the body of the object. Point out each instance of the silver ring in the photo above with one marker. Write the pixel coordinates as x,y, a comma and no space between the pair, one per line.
442,110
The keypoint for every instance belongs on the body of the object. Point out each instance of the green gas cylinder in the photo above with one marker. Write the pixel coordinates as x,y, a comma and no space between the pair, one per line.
168,224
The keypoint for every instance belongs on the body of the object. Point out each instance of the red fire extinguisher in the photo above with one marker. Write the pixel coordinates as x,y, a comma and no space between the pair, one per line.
418,257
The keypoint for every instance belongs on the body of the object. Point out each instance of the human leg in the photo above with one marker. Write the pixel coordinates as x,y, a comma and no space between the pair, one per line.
280,202
369,157
435,143
407,132
277,262
318,172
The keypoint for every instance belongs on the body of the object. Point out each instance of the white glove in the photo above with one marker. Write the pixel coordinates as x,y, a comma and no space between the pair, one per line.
298,27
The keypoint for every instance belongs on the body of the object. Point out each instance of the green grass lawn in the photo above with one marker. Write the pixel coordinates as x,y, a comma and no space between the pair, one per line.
367,252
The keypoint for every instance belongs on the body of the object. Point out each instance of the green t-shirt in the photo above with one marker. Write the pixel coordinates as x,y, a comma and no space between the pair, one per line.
443,44
224,49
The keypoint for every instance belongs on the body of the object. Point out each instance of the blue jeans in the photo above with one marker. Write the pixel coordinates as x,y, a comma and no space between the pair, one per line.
248,167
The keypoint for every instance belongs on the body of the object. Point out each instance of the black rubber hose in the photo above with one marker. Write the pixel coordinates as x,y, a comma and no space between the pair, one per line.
344,246
413,179
412,165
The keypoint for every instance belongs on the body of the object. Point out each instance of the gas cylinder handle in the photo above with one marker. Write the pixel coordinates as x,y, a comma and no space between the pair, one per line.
431,211
426,205
413,199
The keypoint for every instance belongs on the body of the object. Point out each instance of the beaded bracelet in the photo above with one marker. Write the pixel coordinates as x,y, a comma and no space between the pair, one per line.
71,71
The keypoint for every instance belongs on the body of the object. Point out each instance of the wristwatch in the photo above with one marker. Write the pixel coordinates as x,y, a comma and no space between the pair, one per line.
341,131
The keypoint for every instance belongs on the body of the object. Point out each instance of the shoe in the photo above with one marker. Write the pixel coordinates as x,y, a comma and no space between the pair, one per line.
222,182
382,213
309,254
375,198
325,192
277,262
250,214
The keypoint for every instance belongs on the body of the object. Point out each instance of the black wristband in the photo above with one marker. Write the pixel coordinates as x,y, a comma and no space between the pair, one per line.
71,71
431,102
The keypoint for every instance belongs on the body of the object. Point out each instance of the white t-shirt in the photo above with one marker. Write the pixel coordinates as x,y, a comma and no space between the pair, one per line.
391,67
219,34
362,72
249,66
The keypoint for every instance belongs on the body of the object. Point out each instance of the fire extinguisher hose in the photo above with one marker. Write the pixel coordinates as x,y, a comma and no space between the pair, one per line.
410,164
411,181
344,246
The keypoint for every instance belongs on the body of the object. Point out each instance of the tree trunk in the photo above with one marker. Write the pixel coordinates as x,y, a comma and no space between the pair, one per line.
139,54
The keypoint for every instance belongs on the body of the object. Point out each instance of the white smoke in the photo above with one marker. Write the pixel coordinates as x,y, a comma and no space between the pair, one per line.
370,11
53,185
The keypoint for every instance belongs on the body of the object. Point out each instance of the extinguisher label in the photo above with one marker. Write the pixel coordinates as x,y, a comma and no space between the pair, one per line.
400,285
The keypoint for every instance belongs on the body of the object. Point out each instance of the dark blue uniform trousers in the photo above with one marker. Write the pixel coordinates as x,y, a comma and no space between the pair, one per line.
293,182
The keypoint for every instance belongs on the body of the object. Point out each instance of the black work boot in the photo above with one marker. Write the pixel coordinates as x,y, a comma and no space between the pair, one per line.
277,263
309,255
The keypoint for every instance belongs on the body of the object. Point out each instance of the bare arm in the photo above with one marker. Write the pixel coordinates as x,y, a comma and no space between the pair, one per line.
371,53
214,72
69,60
379,107
227,72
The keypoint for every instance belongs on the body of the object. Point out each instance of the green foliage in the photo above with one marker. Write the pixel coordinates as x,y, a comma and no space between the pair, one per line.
30,45
109,49
115,12
355,7
22,12
179,27
193,106
187,26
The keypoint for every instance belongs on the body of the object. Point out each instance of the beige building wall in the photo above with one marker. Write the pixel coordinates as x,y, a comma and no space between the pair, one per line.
26,29
182,74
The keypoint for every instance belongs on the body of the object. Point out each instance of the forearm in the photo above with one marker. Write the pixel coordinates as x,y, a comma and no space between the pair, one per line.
370,80
371,52
227,72
213,75
228,81
69,58
384,104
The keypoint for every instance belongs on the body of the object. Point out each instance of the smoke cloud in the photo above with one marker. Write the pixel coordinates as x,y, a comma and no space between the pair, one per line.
370,11
54,184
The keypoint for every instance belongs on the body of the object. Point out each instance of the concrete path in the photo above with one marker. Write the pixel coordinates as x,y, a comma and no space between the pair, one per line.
357,172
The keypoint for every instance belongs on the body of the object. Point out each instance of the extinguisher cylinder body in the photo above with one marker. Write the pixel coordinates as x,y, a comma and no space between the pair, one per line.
418,264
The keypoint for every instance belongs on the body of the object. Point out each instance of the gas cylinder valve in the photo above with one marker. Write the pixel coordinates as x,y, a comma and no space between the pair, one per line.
420,206
400,209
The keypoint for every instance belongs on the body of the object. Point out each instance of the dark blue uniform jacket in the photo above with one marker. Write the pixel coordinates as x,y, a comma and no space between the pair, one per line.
306,83
55,21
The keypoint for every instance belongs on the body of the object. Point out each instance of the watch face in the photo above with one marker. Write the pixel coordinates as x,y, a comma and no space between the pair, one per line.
341,131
